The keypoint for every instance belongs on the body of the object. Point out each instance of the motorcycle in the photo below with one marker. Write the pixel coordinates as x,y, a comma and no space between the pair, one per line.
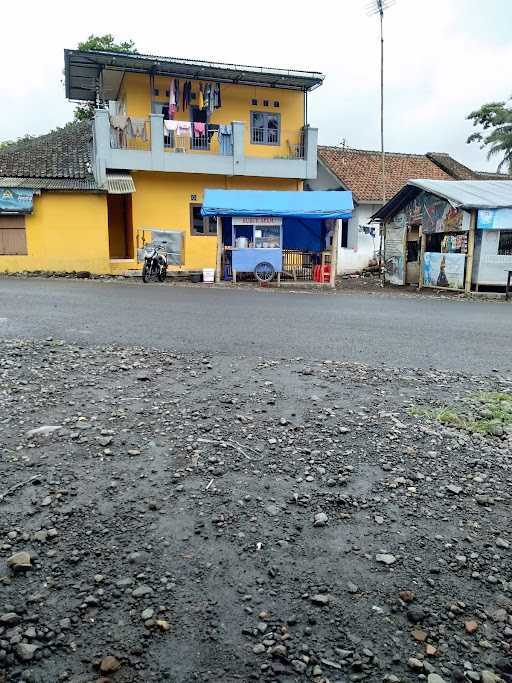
155,264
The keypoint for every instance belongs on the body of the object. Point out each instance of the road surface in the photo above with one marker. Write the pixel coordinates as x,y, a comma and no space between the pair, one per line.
388,327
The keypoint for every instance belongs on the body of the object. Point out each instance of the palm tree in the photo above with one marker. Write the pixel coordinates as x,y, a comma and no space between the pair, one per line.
495,117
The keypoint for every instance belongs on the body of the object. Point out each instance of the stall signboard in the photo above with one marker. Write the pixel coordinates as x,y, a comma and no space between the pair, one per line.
16,200
257,220
494,219
443,270
394,256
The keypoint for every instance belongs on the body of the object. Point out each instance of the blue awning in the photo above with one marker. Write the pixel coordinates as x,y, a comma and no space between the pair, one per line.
274,203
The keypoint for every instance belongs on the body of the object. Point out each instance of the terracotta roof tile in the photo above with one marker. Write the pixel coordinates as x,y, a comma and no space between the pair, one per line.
63,153
360,171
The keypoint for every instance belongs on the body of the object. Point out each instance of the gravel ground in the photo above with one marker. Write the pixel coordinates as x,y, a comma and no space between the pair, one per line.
190,517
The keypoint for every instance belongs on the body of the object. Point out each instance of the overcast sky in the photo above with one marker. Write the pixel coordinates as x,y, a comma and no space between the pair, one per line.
443,58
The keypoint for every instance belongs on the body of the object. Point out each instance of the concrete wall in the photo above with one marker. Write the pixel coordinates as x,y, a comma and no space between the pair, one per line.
65,232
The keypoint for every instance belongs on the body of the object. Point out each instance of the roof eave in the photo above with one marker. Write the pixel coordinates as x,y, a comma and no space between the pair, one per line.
189,69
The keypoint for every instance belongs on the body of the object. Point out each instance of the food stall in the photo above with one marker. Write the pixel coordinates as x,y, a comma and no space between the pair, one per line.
257,229
258,244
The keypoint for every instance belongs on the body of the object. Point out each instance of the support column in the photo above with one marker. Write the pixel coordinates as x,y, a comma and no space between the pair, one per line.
310,151
471,250
157,140
219,250
423,242
334,254
238,148
101,146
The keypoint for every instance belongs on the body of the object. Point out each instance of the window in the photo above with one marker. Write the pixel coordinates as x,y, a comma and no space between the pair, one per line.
276,104
201,225
505,243
254,103
13,239
265,103
265,128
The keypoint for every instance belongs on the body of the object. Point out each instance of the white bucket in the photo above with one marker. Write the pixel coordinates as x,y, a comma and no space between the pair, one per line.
208,274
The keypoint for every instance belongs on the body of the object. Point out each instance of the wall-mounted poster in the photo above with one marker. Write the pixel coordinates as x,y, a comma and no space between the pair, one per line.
394,254
443,270
436,214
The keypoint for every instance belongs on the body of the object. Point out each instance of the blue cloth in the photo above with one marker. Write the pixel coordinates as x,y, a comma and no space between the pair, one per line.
275,203
226,139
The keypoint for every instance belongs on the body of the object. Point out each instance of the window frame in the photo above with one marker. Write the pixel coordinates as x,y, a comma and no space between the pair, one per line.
266,115
502,251
207,223
20,226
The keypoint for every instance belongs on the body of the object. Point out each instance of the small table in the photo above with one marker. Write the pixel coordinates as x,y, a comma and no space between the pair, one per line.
507,288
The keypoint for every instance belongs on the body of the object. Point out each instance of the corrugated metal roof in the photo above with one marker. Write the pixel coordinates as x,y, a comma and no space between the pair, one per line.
466,194
83,69
120,183
64,184
470,194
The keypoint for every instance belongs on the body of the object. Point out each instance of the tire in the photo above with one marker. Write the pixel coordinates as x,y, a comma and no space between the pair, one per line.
264,271
162,274
146,275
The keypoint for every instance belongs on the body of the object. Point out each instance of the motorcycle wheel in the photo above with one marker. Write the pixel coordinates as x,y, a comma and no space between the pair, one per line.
146,274
162,274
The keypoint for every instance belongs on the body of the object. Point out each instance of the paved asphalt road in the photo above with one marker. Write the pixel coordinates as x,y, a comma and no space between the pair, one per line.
391,328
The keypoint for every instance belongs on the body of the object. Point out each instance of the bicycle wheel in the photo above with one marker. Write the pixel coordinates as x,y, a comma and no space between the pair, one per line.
264,271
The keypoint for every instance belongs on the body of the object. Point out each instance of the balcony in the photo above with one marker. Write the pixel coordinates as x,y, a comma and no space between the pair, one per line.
175,148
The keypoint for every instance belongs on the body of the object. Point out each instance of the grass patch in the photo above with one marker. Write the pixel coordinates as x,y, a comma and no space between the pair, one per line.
484,413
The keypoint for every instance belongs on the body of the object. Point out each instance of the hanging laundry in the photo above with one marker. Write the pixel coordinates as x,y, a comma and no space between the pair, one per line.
207,96
216,96
184,128
172,99
187,91
200,101
199,129
137,128
171,125
226,139
118,129
177,93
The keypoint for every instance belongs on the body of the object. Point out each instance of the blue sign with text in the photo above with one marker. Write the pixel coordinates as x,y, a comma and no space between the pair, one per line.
494,219
16,200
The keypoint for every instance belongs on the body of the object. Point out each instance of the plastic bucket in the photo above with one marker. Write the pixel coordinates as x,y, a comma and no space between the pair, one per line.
208,274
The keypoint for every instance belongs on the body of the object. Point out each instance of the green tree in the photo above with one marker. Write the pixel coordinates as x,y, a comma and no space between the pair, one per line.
495,119
105,43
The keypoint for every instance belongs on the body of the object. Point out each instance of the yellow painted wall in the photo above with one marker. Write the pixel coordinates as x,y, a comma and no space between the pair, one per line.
136,95
69,231
65,232
162,200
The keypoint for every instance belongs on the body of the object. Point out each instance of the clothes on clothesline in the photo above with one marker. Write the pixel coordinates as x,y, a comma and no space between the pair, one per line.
119,121
187,94
226,139
200,99
217,103
199,128
137,128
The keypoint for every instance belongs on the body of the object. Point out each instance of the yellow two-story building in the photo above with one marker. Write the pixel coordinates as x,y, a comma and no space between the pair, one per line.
91,194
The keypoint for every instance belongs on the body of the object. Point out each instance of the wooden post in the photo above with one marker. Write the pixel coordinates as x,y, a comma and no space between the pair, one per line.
219,250
334,255
471,249
423,242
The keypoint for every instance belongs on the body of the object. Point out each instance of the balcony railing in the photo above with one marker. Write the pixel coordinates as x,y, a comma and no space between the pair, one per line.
130,132
206,139
152,144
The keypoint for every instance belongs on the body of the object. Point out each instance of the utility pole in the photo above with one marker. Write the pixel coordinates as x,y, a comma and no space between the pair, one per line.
378,7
